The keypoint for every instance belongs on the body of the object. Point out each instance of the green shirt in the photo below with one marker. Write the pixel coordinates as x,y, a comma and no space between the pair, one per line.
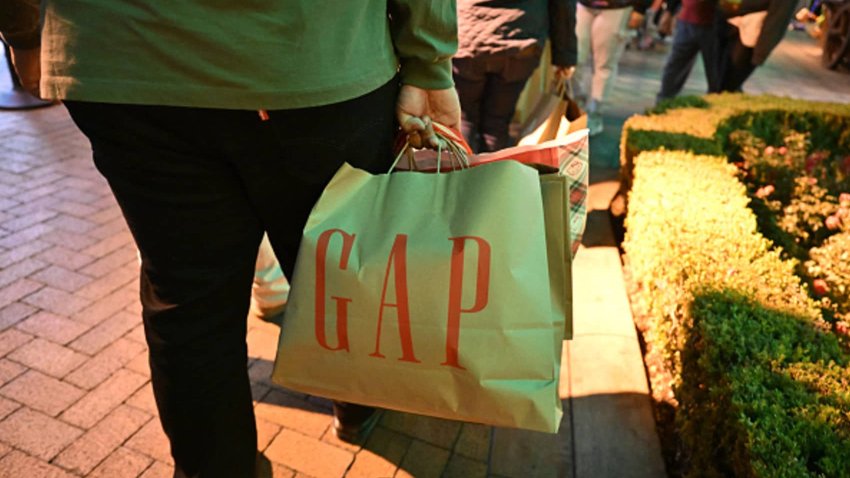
236,54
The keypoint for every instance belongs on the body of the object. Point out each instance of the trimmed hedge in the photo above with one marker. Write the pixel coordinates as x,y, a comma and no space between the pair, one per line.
762,383
691,124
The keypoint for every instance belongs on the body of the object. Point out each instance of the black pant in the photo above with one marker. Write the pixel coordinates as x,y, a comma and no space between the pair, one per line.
198,187
488,87
735,60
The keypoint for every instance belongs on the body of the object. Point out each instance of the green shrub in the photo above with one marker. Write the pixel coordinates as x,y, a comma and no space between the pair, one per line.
764,393
678,102
763,384
685,235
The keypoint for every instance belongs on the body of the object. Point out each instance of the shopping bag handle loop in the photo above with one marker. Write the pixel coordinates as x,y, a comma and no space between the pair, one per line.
455,146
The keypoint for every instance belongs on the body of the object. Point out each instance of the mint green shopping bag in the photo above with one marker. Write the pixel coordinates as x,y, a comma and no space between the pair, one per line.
429,294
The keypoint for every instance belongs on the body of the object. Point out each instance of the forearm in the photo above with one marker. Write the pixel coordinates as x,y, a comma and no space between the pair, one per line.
19,23
425,37
562,32
775,24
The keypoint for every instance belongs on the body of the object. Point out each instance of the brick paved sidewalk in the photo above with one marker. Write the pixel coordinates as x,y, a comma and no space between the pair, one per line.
75,393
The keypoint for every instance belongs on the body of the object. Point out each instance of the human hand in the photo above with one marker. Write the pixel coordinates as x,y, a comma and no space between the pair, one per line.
635,20
416,108
563,73
665,24
27,63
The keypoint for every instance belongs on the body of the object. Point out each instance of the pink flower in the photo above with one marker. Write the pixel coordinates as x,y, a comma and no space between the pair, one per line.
842,328
769,150
765,191
833,222
782,150
844,199
820,287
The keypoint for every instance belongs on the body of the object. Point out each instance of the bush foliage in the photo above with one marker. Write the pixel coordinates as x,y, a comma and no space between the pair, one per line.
762,379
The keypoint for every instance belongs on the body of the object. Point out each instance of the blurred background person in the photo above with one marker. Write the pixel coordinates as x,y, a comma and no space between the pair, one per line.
601,32
499,46
747,32
694,35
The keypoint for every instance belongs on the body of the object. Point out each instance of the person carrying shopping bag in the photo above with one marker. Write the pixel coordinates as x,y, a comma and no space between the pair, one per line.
500,44
228,120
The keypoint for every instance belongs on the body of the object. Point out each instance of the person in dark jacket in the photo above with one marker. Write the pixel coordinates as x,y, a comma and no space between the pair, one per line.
601,31
499,46
694,35
737,61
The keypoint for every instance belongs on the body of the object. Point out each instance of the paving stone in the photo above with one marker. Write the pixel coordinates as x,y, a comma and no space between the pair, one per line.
107,306
9,370
158,470
141,363
151,441
369,465
20,270
122,463
78,196
27,220
462,467
70,240
114,260
106,215
61,278
19,465
294,413
11,339
16,290
48,357
137,334
24,243
259,391
261,372
105,333
57,301
143,399
109,283
266,431
41,392
280,471
75,209
381,455
65,257
423,460
104,364
103,399
71,224
299,452
474,441
7,406
36,433
14,313
436,431
114,237
52,327
104,438
262,345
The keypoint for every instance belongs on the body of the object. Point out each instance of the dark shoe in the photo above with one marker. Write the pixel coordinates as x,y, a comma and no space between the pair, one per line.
353,423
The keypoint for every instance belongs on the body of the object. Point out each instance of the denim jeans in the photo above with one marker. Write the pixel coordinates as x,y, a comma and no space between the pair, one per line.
197,188
689,40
